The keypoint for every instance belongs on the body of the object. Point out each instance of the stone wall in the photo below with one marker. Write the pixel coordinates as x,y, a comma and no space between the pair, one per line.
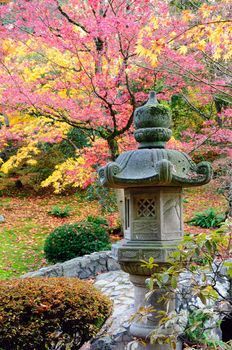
87,266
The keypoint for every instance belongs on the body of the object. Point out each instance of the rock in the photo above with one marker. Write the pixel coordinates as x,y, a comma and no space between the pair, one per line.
84,274
33,274
112,264
104,343
113,285
95,256
102,261
51,271
101,283
100,269
85,262
119,287
114,294
87,266
2,219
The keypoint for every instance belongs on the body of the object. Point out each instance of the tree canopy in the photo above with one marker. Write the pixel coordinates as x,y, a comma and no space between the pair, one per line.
89,64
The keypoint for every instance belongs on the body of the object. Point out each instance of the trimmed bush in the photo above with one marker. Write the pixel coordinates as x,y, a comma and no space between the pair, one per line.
69,241
39,314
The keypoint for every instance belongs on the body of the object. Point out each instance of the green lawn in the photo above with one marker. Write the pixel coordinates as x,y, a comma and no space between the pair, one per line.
20,250
27,224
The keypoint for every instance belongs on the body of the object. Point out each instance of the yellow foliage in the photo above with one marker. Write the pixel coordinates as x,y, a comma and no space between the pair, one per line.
24,156
228,56
155,23
173,34
211,29
17,118
187,16
157,45
31,162
217,54
201,45
44,64
8,46
73,172
183,49
206,10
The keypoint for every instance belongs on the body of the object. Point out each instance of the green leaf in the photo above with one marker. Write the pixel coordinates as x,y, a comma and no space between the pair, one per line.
202,298
229,271
165,278
174,282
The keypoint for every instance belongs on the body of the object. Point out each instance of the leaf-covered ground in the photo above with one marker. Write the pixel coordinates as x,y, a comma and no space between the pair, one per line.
27,223
199,199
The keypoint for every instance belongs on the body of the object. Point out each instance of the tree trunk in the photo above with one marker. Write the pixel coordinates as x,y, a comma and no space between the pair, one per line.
6,120
99,47
219,104
229,212
113,146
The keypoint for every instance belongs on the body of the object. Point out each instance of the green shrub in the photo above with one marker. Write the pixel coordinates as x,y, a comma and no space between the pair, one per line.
60,212
197,321
69,241
105,196
206,219
98,220
38,314
76,138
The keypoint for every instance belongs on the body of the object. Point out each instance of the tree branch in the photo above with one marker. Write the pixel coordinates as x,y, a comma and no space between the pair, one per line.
195,108
197,25
70,20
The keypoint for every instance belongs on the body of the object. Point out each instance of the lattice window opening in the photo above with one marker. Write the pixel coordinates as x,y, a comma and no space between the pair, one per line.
146,207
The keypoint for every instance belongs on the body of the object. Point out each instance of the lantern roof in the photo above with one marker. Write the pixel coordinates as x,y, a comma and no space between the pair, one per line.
151,164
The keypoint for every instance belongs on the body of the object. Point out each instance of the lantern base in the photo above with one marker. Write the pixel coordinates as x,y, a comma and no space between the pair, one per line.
137,346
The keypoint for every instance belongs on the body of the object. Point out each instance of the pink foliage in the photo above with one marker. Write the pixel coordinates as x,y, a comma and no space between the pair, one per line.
108,78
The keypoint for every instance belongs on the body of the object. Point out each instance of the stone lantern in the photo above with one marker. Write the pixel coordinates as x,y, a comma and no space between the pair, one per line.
152,178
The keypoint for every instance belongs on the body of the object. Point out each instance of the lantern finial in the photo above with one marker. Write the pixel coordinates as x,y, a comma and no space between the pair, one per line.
152,122
152,98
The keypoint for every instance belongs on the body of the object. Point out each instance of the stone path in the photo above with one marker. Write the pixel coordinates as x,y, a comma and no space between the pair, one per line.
119,289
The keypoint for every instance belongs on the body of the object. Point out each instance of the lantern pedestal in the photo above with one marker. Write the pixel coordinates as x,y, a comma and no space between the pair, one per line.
129,255
143,327
137,346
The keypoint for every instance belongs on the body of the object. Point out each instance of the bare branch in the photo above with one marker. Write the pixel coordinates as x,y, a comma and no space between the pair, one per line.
70,20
